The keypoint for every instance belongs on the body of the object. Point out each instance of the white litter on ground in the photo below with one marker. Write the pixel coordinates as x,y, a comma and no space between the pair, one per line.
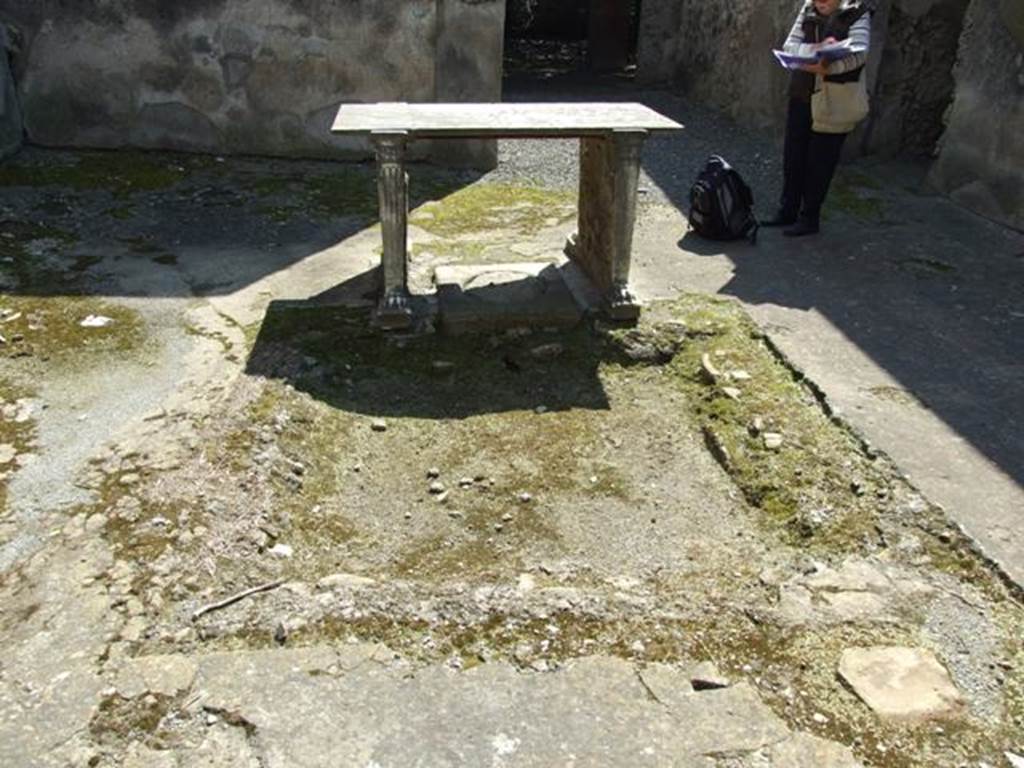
96,321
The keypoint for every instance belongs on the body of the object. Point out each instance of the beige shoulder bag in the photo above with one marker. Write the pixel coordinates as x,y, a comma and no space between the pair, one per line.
838,107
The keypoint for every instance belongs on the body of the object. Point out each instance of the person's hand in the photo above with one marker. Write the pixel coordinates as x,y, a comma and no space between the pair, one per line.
821,68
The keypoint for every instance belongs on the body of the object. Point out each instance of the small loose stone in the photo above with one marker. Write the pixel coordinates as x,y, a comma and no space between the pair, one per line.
706,677
344,581
711,373
433,473
379,425
772,440
436,487
547,351
96,321
281,550
525,497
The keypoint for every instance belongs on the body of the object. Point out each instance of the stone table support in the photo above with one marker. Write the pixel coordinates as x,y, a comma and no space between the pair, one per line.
393,310
609,174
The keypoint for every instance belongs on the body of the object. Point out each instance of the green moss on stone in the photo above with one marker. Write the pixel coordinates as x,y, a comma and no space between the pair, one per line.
847,195
348,191
806,485
122,173
485,207
51,326
121,212
35,255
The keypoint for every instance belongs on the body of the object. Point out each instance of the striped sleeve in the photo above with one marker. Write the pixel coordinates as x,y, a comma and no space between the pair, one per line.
796,34
860,37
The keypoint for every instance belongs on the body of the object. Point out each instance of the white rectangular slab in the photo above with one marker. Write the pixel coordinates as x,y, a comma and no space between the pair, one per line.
500,120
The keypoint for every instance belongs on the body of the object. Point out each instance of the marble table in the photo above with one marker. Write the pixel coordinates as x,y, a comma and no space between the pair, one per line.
611,138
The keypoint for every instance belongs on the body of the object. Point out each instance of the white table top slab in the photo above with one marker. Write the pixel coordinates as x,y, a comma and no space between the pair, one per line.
506,119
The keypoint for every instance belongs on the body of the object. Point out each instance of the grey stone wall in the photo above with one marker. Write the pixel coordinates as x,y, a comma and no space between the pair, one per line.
10,113
719,53
981,154
243,76
470,46
913,86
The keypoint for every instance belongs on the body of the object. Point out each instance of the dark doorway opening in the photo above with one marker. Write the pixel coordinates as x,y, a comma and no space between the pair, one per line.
546,38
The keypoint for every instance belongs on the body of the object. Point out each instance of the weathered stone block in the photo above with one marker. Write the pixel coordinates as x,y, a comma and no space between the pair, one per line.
492,297
901,684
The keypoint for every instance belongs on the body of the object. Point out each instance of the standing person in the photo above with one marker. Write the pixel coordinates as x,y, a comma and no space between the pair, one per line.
814,138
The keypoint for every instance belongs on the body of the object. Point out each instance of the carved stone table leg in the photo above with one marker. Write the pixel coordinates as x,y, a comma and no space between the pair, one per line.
609,172
621,304
393,310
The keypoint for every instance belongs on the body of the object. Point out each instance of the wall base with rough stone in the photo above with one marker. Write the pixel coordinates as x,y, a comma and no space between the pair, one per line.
244,76
981,157
913,80
11,129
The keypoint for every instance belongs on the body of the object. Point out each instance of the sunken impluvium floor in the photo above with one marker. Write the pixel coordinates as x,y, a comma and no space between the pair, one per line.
243,527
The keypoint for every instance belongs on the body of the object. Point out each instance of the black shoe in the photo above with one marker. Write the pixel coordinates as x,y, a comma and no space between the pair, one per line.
803,227
780,219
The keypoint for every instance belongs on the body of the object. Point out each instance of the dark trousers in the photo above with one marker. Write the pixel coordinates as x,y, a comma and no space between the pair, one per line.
809,162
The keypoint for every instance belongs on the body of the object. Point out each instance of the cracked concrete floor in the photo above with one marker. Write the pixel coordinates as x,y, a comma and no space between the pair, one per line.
607,569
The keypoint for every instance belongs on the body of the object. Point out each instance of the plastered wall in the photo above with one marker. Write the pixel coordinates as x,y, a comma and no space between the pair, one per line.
243,76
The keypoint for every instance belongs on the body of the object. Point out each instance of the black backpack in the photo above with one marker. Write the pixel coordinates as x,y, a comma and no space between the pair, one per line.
721,203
